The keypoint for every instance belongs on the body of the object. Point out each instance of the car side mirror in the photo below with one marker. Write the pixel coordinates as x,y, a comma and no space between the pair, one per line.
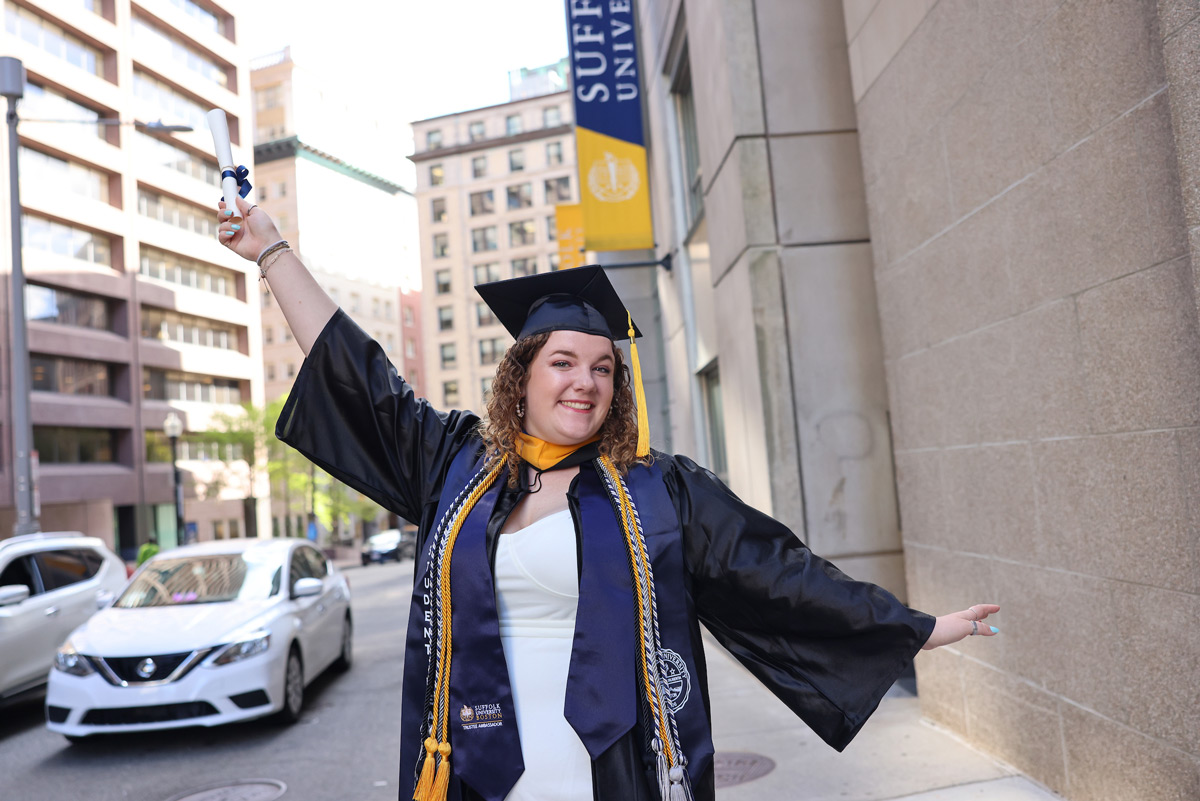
13,594
306,587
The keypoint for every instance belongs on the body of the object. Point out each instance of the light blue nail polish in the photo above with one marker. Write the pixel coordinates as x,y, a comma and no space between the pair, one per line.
994,629
236,227
227,233
228,212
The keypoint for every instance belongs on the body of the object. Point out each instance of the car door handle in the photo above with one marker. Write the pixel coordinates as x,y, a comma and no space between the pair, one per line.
52,611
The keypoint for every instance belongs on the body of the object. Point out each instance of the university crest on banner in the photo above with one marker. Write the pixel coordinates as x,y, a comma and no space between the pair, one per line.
610,146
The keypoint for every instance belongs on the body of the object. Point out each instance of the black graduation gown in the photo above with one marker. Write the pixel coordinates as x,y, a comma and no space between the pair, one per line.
827,646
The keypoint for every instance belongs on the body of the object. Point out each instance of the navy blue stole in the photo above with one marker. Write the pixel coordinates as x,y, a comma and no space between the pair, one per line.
603,685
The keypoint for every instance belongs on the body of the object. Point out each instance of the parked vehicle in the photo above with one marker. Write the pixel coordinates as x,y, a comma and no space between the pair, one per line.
204,635
393,544
49,584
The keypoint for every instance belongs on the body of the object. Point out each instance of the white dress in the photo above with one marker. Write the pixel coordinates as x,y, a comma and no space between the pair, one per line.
537,592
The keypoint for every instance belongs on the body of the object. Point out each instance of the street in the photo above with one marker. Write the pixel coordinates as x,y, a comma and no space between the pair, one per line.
345,747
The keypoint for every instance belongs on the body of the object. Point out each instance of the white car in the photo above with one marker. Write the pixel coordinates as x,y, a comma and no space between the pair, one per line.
49,584
204,635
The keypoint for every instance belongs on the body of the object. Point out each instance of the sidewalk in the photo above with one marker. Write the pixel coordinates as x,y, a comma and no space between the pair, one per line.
896,757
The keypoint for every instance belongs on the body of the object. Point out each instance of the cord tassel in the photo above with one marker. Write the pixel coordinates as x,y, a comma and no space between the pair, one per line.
441,784
425,783
643,420
680,788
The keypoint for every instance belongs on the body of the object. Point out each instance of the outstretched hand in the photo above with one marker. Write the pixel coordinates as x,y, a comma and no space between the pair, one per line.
956,626
256,231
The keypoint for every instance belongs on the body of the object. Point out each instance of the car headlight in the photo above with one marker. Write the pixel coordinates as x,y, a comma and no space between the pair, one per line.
254,644
68,660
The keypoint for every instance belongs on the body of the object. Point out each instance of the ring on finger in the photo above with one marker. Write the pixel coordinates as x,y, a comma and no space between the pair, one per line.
974,627
975,615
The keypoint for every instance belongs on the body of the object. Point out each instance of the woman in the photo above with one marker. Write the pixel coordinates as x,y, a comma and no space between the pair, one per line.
554,642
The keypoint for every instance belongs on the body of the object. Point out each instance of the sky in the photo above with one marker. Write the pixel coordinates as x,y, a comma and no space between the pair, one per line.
424,58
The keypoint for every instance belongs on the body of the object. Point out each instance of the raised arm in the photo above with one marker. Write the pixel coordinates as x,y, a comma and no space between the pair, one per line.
304,304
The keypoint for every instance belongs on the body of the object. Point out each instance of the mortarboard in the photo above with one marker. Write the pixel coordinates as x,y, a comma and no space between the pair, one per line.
579,299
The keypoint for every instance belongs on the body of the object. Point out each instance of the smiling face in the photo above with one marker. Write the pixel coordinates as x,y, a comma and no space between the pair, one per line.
570,388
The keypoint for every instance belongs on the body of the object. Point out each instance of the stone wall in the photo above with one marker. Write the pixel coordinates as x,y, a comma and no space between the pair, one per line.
1040,338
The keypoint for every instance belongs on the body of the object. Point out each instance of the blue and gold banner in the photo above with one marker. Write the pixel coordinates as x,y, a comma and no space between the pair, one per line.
609,143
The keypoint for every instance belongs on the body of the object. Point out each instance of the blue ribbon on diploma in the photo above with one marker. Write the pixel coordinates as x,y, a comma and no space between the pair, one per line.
241,175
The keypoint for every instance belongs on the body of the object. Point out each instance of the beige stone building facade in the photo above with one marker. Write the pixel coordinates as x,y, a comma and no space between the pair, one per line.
934,255
304,188
134,310
487,184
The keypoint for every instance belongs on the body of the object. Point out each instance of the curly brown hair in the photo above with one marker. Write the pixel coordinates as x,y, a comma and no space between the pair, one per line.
500,430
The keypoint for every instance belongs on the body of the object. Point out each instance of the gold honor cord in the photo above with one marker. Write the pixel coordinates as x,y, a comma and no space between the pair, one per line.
643,420
429,786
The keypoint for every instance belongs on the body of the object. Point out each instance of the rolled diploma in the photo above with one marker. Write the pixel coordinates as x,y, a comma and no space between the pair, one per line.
219,125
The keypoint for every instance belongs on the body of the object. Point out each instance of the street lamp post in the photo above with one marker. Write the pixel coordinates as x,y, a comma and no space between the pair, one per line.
12,86
173,427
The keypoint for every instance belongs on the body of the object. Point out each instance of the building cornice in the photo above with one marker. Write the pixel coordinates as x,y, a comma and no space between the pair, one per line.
488,144
293,147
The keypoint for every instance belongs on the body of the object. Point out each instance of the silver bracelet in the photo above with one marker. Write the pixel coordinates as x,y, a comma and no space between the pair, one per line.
282,243
271,259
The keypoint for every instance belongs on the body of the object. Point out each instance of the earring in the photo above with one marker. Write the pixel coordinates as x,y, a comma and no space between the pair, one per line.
521,408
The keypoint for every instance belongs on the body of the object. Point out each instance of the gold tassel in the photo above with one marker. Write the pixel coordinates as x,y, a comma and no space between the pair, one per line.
426,781
639,392
441,785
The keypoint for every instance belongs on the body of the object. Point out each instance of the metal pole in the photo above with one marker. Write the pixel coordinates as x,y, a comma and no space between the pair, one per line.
180,535
13,78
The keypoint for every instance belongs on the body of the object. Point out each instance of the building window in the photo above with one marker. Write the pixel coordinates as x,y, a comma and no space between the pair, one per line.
523,267
44,304
485,389
710,383
408,316
483,239
206,18
448,352
558,190
438,209
70,376
477,130
174,212
270,371
441,246
40,101
389,311
187,272
479,166
410,349
391,342
445,318
554,154
43,168
484,315
176,106
483,202
267,97
173,385
516,160
45,35
172,326
551,117
441,279
491,350
553,259
486,273
689,144
152,150
450,393
269,335
437,175
170,48
512,125
521,233
520,196
291,370
551,227
65,240
433,140
66,445
376,306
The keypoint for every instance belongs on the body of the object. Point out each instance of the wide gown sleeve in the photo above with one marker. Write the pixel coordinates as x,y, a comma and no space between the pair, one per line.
826,645
352,414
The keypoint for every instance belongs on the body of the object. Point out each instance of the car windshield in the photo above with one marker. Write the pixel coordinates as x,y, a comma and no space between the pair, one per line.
208,579
386,538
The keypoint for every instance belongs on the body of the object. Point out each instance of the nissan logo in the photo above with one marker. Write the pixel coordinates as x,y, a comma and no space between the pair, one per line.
146,668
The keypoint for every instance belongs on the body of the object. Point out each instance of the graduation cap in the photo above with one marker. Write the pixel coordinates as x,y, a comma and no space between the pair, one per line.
579,299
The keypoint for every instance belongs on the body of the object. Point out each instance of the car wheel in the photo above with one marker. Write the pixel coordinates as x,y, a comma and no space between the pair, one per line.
293,689
346,658
365,561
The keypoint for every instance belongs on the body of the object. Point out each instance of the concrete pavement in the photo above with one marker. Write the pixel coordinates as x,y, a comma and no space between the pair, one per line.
896,756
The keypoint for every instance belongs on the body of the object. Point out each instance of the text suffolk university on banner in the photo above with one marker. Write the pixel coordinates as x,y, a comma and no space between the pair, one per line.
610,147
